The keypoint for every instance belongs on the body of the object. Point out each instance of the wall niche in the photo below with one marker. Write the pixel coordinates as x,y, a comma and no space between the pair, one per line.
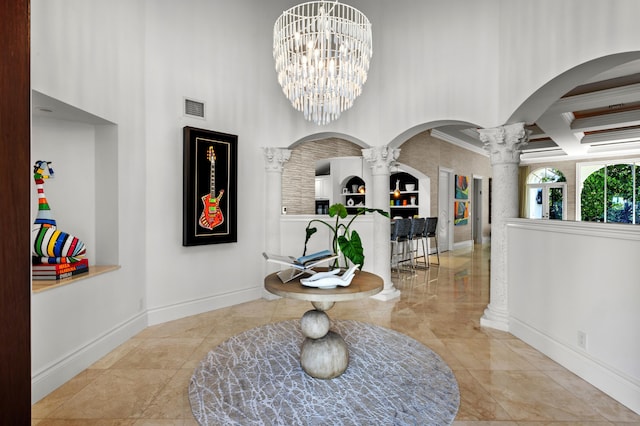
83,195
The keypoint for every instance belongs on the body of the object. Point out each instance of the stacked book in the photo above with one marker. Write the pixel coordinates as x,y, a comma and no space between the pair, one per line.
300,265
58,271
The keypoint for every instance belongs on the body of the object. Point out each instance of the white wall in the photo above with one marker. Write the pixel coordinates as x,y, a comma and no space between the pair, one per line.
132,61
89,54
542,39
570,277
211,51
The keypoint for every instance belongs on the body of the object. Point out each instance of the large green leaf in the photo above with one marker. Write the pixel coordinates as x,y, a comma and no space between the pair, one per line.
348,242
338,209
352,248
363,210
309,232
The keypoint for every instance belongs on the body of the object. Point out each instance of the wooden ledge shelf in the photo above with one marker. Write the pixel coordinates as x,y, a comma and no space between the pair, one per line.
38,286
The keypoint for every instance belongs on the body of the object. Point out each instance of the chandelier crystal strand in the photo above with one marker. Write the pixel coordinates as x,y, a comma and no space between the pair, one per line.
322,52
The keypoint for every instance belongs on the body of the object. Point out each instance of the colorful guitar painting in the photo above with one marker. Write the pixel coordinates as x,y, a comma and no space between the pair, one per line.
211,213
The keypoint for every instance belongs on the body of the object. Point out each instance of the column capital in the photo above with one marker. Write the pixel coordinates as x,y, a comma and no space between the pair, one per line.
275,158
380,158
505,143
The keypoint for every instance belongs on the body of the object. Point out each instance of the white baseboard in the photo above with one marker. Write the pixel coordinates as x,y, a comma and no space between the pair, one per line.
608,380
175,311
62,370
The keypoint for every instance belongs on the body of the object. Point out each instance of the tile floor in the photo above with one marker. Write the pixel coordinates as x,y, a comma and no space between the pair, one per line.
502,380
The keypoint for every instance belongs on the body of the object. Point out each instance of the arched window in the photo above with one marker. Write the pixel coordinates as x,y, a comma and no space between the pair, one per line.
609,192
546,194
546,175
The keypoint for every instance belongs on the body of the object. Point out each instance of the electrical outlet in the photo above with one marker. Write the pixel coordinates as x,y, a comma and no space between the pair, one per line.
582,339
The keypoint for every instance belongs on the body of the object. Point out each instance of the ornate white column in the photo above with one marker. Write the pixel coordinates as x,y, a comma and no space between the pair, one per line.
504,145
380,158
274,163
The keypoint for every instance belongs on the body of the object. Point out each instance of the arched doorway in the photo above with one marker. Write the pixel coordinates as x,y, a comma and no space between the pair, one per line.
546,194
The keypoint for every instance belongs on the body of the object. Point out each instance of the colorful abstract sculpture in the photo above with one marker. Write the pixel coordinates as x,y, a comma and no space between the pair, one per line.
49,244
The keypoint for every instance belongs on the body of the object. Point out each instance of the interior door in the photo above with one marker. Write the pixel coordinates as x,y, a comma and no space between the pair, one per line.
476,210
547,201
444,209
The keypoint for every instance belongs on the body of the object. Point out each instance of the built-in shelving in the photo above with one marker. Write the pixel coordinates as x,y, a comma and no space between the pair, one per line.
354,199
406,202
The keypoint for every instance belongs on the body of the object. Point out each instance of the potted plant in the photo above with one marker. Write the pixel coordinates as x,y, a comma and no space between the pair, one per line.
345,240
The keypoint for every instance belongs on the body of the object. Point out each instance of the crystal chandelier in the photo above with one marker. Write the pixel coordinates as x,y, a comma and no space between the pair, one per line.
322,51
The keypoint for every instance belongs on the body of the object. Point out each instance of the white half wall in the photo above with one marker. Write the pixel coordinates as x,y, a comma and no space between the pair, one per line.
574,294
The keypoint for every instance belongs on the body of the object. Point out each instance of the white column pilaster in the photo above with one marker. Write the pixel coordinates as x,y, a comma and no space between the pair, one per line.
504,145
274,159
380,158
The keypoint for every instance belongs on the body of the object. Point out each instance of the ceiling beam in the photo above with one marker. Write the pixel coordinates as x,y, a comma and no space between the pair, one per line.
607,121
613,137
615,96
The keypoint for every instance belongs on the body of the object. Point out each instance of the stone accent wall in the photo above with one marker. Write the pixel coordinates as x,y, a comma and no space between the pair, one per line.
298,176
426,153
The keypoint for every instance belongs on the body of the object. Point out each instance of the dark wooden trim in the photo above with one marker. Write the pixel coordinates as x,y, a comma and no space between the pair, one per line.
15,222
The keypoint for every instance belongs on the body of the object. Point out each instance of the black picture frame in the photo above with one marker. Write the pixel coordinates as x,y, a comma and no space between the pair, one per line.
210,192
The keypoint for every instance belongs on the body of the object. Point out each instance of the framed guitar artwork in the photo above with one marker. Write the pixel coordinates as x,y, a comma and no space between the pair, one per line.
210,190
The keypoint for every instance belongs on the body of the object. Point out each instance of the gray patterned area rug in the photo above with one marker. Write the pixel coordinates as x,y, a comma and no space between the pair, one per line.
255,378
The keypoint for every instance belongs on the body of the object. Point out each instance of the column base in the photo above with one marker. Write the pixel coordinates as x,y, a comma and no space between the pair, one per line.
387,294
494,319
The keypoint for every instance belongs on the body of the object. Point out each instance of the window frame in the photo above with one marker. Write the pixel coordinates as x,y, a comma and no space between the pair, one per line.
545,187
635,161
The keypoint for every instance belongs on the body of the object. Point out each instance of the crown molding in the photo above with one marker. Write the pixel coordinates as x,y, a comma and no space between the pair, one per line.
458,142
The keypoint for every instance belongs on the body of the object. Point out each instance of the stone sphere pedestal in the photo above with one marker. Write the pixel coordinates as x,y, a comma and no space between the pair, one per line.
324,354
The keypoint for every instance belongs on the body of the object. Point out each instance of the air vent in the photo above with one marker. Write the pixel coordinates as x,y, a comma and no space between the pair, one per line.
194,108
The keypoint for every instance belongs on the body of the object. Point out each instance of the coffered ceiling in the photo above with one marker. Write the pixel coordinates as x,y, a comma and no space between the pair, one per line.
597,118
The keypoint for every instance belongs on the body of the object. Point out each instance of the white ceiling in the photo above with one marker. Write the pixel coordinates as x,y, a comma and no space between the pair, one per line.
597,118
